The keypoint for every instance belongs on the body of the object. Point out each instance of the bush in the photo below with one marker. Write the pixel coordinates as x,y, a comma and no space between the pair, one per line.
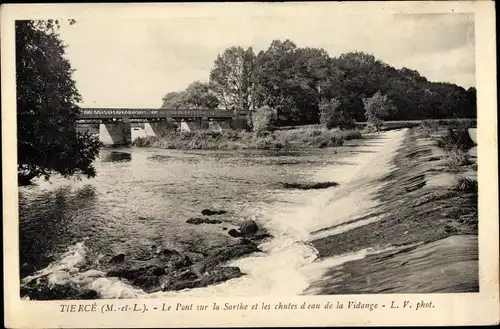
370,128
457,124
455,139
143,141
430,124
317,137
311,137
229,134
465,184
377,108
332,115
269,142
456,159
263,119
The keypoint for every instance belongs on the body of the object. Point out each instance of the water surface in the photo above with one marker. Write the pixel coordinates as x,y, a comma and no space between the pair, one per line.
143,197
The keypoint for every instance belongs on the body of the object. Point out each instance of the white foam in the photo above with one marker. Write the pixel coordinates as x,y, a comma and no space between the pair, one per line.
110,288
64,268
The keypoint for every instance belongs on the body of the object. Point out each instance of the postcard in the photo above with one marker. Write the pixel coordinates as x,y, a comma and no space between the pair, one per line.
250,164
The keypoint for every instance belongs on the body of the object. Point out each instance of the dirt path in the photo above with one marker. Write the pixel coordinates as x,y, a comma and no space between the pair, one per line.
427,224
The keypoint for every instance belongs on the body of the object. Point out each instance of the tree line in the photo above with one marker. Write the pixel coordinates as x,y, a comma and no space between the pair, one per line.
302,85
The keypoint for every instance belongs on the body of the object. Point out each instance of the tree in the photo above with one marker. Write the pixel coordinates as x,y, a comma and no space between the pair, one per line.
263,119
413,95
231,78
175,100
196,96
291,80
332,115
471,108
200,96
362,75
377,108
47,108
271,76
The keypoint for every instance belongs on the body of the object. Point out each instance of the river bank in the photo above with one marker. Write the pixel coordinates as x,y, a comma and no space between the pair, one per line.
313,137
421,236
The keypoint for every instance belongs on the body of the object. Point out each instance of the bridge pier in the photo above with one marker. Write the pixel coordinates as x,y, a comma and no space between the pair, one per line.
159,128
204,123
224,124
116,133
193,124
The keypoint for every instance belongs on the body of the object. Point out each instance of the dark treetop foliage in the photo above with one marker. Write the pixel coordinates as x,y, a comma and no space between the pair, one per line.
231,78
413,95
298,82
47,107
196,96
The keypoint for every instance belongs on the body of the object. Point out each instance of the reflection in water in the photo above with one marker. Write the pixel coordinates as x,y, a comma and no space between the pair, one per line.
115,156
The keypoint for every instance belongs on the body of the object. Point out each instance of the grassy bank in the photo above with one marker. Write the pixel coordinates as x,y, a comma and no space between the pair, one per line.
454,140
427,213
234,140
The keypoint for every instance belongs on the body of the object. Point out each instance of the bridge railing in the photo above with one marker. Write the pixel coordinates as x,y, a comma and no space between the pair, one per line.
103,113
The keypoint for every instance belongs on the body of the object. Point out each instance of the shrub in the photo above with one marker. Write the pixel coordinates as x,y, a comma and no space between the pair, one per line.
456,159
456,139
332,115
143,141
313,137
230,135
263,119
430,124
370,128
465,184
269,142
377,108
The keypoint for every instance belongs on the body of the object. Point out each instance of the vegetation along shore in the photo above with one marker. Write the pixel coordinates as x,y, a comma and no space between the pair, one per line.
314,137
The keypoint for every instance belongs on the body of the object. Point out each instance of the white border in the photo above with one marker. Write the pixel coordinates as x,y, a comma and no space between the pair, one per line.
451,309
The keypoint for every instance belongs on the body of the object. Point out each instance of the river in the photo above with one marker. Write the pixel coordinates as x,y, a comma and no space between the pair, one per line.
141,199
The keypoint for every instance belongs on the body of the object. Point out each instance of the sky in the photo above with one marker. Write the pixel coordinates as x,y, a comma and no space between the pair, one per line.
134,62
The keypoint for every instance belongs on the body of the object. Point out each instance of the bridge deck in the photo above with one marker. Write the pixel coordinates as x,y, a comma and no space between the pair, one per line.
109,113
